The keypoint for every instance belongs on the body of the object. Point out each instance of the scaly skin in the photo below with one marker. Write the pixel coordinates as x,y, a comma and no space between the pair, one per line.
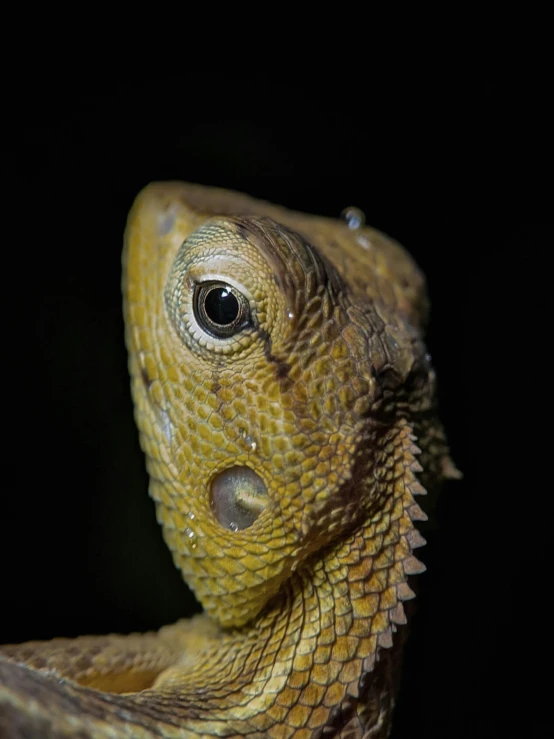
323,394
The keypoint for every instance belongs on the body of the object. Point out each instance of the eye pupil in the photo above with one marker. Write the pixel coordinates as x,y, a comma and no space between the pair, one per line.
221,310
221,306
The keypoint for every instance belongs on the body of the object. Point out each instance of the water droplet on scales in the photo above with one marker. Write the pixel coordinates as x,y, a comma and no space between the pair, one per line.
248,440
354,217
191,536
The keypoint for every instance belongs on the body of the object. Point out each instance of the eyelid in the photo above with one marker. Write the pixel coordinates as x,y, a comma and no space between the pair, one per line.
198,279
185,277
212,327
235,284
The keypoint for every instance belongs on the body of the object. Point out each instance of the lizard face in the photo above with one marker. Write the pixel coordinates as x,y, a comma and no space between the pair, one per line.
255,375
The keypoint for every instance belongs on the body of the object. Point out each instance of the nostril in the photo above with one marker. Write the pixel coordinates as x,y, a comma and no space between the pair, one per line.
238,497
166,221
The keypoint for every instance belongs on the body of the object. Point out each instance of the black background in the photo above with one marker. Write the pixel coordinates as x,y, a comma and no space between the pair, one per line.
446,175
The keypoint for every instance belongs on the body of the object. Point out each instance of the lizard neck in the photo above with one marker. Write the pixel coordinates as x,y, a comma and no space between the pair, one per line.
336,625
322,652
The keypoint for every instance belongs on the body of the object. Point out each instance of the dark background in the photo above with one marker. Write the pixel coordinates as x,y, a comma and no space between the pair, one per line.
447,174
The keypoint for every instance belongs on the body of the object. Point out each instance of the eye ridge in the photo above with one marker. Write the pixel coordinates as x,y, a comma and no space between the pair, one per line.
220,309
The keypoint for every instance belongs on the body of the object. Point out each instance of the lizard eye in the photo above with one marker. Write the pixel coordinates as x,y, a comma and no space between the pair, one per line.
220,309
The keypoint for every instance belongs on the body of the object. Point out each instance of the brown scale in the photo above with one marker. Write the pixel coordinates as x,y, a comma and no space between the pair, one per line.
281,385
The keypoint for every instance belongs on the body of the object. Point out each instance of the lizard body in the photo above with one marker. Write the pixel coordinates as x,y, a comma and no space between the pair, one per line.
286,407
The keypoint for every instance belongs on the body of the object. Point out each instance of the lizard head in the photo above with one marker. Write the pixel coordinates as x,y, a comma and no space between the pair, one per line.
261,383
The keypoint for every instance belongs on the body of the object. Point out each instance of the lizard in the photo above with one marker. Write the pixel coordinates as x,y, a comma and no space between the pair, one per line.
287,409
